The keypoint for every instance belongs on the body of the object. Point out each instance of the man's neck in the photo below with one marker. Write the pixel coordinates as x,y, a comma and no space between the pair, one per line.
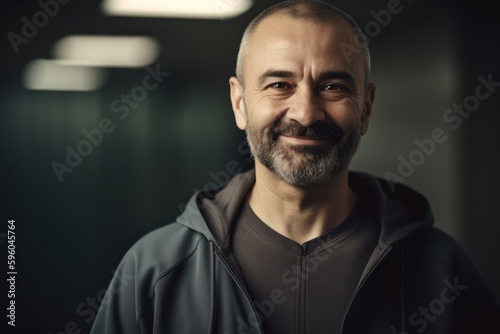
298,213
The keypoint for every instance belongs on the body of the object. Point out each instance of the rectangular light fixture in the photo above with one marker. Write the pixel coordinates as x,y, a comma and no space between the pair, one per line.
43,74
106,51
195,9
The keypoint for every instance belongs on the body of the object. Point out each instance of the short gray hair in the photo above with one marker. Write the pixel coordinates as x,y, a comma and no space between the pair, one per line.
309,10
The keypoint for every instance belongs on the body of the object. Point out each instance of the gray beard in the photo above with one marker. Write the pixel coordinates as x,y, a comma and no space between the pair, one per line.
303,166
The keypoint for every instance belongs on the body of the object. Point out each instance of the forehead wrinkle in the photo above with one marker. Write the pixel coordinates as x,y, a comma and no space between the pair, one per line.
272,73
274,50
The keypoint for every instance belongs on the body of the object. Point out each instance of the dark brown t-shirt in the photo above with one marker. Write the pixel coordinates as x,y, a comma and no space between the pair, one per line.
303,288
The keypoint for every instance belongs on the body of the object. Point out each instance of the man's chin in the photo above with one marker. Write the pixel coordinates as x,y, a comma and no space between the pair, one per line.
302,171
305,181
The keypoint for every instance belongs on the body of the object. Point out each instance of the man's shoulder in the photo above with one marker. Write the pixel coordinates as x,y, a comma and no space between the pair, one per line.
162,249
438,245
173,238
436,256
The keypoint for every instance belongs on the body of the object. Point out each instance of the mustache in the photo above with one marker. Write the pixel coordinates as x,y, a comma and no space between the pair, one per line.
319,129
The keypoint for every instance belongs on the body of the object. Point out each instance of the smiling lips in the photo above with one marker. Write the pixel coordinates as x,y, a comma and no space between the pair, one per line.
317,134
296,140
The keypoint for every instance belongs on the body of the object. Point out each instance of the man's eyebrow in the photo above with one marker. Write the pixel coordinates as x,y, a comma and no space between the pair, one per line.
274,74
329,75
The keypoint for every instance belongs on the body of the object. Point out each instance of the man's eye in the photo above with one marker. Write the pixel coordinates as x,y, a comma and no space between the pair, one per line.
279,85
333,87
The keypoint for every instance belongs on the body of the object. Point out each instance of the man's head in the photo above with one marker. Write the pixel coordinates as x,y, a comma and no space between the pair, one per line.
303,104
309,10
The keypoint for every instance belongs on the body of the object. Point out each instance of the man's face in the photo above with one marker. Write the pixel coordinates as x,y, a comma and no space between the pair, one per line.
304,106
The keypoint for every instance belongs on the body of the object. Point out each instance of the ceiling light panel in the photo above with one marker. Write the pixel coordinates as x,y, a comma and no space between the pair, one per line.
43,74
106,51
196,9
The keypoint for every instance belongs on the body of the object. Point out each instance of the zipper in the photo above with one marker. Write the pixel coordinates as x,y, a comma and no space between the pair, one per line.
212,288
360,285
242,287
303,275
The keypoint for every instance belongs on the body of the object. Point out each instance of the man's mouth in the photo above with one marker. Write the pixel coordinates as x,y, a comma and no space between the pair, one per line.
315,135
299,140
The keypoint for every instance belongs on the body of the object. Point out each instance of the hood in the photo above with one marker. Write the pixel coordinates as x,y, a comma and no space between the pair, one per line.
400,210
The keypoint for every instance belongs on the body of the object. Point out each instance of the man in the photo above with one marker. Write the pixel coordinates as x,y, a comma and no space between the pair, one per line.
300,244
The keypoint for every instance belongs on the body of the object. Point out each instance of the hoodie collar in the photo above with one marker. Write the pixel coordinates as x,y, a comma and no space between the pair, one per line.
213,214
400,210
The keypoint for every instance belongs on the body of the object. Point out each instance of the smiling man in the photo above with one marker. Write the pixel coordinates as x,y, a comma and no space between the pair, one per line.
304,107
300,244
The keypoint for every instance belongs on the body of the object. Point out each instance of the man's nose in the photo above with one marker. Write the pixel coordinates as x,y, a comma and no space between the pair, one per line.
305,107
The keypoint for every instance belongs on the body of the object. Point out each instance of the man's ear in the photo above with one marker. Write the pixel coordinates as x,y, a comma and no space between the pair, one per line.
369,99
237,103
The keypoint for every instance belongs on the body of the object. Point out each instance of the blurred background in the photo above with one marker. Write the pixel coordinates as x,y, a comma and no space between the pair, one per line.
113,113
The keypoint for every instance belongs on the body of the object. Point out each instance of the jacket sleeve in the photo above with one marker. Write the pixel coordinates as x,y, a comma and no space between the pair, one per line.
478,311
118,312
128,306
453,296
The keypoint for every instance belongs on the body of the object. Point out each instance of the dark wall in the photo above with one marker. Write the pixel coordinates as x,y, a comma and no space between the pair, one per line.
480,160
70,235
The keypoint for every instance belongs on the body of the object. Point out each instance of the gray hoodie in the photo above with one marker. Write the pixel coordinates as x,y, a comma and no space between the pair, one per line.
182,278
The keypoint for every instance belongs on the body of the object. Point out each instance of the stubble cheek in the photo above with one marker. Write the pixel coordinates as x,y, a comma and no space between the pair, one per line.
346,113
263,118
